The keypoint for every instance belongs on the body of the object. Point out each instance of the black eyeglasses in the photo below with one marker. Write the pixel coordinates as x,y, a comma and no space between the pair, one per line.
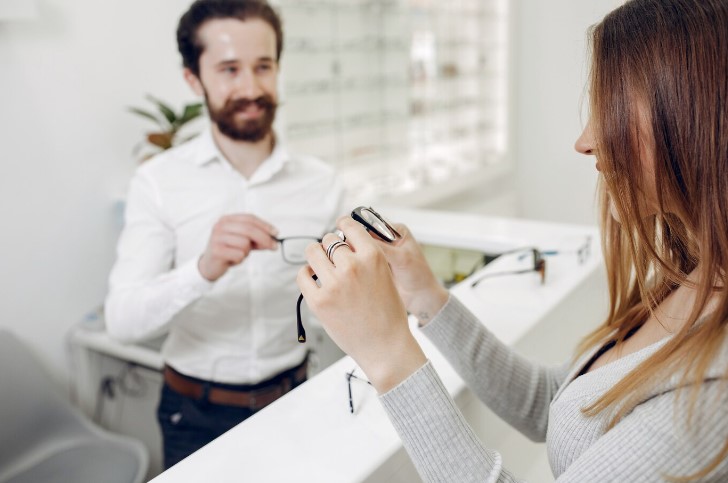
293,248
349,376
375,223
538,265
372,221
583,252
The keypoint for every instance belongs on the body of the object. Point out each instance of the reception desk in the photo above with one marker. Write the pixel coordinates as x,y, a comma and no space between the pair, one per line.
310,435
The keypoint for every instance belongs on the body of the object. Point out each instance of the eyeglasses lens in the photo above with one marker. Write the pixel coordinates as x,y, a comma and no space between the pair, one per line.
294,249
378,225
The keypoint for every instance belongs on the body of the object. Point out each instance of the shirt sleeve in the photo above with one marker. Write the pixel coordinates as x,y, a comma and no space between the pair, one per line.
517,390
145,289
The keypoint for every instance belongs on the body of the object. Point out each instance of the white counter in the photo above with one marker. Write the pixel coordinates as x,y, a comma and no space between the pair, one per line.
310,435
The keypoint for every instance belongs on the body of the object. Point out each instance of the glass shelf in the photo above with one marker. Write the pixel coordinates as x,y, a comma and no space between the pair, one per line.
411,91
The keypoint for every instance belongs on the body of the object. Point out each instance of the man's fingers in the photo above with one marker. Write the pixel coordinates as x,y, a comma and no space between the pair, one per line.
233,240
259,237
230,255
252,220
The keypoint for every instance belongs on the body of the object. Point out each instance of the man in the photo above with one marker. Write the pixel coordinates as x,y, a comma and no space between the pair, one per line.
198,258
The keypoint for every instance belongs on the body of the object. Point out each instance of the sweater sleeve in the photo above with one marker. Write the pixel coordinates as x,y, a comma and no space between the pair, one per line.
652,440
438,439
517,390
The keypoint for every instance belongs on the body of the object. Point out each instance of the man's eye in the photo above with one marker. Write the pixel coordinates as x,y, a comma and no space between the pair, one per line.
230,70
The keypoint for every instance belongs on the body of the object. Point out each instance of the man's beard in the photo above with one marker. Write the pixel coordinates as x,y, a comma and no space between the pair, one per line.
250,130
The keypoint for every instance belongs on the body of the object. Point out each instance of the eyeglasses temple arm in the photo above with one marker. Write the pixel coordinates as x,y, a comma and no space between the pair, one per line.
299,322
488,275
351,399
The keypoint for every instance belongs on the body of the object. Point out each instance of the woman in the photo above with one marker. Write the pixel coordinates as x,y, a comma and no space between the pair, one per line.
646,398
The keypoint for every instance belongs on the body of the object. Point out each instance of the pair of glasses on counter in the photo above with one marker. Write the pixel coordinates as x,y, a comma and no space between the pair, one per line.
536,261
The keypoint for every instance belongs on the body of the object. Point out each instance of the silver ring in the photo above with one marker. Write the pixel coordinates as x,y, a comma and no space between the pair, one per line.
340,234
332,248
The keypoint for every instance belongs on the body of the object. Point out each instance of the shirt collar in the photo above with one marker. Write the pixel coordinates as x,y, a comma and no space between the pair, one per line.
208,152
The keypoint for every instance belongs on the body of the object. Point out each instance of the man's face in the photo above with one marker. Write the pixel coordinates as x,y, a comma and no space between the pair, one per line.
238,77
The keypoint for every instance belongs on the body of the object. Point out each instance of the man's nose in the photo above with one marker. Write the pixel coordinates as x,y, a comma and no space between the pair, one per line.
249,85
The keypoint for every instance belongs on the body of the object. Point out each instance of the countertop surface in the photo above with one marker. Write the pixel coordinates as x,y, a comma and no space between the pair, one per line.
310,435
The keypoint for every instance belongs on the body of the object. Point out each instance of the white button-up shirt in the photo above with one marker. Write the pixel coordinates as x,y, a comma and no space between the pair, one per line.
242,327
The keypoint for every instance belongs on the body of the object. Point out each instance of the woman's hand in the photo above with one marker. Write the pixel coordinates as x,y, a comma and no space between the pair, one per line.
358,304
423,295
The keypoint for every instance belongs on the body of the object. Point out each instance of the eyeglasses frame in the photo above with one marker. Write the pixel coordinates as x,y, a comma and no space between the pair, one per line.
349,376
539,266
357,215
297,237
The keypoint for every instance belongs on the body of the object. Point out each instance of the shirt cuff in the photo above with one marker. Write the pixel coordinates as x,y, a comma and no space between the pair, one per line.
191,279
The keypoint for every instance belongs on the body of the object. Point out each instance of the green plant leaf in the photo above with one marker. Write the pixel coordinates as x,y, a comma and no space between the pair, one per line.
147,114
191,111
164,109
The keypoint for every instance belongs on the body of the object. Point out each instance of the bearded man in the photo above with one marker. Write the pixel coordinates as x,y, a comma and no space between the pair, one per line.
213,231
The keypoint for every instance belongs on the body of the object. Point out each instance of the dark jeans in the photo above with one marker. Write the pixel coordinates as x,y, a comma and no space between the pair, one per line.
188,424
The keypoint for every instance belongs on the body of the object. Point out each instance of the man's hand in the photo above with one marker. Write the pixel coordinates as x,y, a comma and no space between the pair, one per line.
232,239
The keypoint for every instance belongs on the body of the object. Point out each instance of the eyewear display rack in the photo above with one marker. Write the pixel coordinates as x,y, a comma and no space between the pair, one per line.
399,95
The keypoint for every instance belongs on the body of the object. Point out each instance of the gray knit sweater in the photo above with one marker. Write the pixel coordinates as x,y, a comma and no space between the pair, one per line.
544,403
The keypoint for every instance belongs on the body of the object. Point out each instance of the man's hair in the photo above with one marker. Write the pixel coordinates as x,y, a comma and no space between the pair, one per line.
201,11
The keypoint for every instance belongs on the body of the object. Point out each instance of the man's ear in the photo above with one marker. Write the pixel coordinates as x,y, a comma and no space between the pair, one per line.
194,82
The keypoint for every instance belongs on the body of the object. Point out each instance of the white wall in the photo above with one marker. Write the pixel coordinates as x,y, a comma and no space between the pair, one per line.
550,65
66,78
68,75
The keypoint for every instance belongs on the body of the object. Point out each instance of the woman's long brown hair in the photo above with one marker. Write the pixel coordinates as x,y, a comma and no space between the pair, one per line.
660,69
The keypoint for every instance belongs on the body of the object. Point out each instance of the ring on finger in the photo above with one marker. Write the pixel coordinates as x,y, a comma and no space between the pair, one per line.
340,234
332,248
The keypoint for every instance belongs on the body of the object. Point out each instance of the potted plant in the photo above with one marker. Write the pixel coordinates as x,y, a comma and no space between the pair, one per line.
168,123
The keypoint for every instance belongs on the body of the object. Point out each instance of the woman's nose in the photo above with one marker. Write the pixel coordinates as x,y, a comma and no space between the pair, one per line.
585,143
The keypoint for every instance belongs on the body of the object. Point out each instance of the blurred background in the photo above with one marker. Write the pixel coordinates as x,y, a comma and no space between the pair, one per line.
457,105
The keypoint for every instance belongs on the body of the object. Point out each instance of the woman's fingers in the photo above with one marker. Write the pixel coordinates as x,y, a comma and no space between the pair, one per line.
356,235
306,282
336,249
